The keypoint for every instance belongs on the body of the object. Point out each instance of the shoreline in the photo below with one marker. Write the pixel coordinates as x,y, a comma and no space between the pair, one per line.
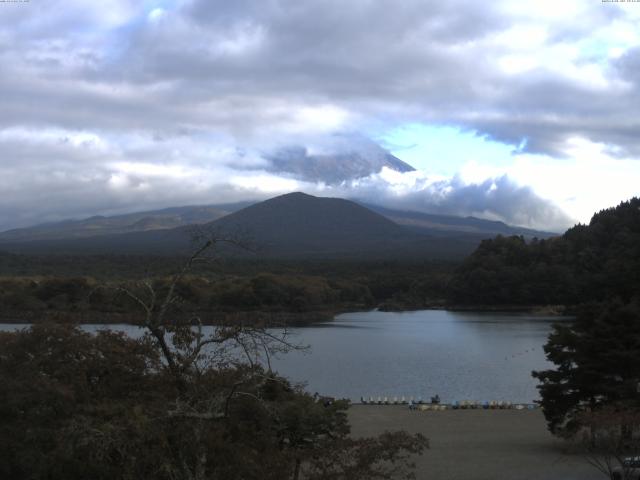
546,310
268,318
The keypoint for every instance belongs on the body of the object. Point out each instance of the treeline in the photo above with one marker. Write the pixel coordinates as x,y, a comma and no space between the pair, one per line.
234,288
265,292
588,263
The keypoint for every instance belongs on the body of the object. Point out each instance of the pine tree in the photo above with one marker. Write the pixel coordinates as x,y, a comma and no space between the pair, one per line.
597,361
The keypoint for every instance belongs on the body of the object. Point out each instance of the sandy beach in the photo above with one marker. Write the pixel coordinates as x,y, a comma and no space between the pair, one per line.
478,444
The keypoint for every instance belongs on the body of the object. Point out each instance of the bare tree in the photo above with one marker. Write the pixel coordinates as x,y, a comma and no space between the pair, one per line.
188,350
223,373
182,339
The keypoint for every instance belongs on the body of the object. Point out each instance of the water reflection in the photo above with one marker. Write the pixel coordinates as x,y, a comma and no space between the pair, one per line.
474,356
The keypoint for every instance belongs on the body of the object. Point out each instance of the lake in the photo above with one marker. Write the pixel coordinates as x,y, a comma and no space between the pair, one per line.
460,356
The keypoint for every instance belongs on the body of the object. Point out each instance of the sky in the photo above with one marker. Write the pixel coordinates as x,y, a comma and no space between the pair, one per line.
524,112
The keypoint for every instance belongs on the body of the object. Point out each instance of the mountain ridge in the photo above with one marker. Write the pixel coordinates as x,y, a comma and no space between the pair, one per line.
293,225
174,217
432,222
344,158
166,218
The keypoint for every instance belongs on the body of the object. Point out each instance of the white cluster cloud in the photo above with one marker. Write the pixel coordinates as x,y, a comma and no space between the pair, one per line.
588,179
165,102
495,198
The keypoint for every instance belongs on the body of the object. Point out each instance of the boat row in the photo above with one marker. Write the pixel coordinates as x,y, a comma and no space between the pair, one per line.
419,404
395,400
475,406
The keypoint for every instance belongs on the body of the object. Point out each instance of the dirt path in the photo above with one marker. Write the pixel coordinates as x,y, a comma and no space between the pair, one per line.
478,444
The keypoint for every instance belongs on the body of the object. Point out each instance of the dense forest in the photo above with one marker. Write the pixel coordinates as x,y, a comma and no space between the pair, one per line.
84,287
589,262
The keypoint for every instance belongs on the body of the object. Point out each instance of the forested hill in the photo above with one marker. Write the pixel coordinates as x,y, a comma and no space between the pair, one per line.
588,263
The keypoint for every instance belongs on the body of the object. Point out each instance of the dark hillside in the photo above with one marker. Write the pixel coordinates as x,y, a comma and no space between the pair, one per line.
588,263
295,225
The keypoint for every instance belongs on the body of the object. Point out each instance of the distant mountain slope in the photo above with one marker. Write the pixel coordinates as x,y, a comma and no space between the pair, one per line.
166,219
301,223
293,225
357,157
446,224
134,222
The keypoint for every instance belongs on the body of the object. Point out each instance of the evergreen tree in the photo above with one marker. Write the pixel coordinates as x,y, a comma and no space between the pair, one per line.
597,361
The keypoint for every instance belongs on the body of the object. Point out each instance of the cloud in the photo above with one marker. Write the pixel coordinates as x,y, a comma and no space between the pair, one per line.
510,72
165,102
499,198
178,172
59,167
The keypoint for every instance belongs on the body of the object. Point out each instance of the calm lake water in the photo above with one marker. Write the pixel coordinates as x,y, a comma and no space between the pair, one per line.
460,356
